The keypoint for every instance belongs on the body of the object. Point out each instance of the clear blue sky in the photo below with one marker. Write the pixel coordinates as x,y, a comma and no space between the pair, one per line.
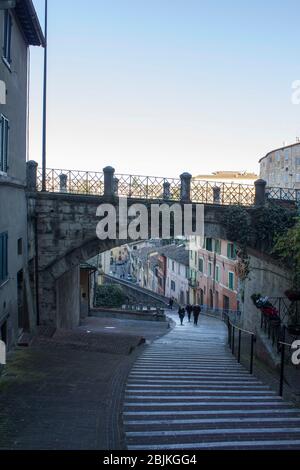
165,86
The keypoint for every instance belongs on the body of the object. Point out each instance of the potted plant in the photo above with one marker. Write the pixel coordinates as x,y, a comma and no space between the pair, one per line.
292,294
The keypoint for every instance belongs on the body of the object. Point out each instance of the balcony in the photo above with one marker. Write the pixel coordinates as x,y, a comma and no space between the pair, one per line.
193,283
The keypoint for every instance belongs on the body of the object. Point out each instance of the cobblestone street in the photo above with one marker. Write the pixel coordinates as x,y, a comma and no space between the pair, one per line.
65,392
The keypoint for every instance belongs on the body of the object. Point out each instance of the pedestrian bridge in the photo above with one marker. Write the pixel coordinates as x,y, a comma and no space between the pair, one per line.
62,218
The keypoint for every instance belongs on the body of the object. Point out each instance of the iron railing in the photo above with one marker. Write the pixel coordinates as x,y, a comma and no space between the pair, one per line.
273,324
286,364
235,341
283,194
148,187
74,182
210,192
159,188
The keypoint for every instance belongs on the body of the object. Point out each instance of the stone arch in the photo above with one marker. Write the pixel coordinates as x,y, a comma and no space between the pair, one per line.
59,284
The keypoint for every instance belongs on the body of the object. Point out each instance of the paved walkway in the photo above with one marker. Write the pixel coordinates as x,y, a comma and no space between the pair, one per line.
66,392
187,391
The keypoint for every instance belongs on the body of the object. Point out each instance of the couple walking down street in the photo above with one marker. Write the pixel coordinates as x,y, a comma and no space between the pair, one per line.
189,309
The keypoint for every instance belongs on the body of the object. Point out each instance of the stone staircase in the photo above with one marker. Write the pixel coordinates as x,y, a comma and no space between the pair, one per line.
187,391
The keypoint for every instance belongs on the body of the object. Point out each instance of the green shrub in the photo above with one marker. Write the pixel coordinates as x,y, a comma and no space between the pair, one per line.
109,295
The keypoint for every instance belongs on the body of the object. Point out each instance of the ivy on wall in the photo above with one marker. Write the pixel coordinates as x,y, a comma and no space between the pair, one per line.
287,248
258,227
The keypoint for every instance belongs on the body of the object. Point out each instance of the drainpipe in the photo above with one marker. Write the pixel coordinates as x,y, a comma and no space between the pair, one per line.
36,265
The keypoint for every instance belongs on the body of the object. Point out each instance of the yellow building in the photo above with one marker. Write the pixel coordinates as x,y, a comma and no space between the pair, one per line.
239,177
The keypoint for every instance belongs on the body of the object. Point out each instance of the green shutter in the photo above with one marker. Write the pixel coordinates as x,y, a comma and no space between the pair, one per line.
5,260
230,280
4,141
1,258
1,143
6,133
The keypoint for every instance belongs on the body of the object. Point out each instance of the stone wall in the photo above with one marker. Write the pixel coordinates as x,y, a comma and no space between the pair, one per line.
268,278
66,236
136,294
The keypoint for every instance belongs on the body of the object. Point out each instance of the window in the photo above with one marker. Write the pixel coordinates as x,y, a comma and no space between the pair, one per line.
209,268
218,247
4,131
173,286
298,161
217,276
231,251
7,37
231,280
173,266
3,257
201,265
209,244
20,247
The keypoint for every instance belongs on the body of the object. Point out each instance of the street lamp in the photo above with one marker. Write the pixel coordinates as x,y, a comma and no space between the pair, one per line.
45,102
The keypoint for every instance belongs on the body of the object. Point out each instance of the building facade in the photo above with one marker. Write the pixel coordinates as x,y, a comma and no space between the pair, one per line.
177,270
19,28
281,167
238,177
212,281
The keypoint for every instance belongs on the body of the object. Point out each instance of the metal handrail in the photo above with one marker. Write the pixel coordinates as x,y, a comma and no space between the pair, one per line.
283,345
231,340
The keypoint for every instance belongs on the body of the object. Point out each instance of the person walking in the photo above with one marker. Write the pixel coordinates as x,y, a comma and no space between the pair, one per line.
181,313
196,313
171,301
189,310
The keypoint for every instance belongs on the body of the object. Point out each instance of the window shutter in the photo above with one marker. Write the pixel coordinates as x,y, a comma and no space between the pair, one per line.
6,136
1,144
5,252
228,250
1,258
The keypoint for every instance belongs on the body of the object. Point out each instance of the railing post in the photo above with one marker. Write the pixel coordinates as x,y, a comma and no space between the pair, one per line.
31,175
185,188
229,331
281,369
116,186
166,190
217,195
251,354
239,346
260,192
233,332
63,182
108,172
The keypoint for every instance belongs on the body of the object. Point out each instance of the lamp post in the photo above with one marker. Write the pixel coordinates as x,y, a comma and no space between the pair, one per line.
45,103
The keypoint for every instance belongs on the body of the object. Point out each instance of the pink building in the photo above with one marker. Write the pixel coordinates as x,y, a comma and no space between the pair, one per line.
213,282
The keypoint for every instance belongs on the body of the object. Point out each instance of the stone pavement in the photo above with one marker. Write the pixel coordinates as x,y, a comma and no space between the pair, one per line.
187,391
65,392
